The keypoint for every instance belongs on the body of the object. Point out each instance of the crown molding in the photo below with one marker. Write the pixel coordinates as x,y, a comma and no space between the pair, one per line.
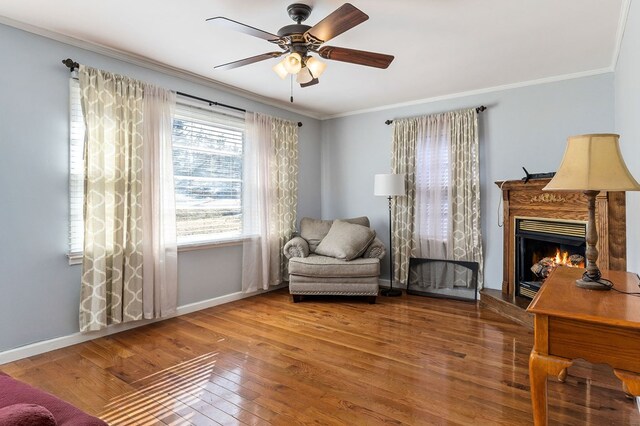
153,65
475,92
622,25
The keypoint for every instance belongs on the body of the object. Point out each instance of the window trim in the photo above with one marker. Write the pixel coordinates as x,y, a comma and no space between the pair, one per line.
76,258
213,244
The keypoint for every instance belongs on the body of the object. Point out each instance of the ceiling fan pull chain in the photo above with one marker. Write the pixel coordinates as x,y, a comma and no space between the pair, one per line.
291,79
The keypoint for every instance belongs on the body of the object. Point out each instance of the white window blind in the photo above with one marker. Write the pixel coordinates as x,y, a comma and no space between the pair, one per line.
207,161
435,183
76,170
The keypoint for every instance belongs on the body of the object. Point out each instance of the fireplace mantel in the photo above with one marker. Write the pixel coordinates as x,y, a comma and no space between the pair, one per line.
522,199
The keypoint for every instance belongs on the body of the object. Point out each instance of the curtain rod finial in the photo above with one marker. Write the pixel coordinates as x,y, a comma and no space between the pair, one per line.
71,64
481,108
388,122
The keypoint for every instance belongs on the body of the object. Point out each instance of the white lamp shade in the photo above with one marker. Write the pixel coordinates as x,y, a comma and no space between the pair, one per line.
316,66
304,76
389,184
293,63
280,70
593,163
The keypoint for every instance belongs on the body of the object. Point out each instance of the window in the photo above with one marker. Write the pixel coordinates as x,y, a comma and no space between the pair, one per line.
433,186
207,161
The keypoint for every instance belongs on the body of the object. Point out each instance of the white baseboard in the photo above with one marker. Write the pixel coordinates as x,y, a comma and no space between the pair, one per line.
209,303
75,338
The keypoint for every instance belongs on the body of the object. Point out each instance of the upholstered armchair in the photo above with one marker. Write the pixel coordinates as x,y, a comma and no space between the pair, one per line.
340,257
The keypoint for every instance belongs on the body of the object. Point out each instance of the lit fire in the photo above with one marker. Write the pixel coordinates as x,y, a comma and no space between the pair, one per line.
563,259
542,267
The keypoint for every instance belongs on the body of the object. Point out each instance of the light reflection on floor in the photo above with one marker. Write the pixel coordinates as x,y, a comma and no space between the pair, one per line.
160,395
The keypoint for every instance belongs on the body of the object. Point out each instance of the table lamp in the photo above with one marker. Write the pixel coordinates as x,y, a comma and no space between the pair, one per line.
592,163
389,185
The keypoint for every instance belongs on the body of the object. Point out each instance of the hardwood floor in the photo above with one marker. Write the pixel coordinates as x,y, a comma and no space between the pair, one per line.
264,360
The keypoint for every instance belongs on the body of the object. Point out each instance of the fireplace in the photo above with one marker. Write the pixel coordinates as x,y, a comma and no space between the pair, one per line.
542,245
557,218
527,200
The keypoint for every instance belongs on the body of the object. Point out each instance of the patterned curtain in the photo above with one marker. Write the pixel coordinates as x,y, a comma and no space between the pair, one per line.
111,289
403,160
284,178
270,198
465,188
417,219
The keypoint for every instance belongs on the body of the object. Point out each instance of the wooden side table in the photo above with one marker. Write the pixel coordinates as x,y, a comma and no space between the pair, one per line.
597,326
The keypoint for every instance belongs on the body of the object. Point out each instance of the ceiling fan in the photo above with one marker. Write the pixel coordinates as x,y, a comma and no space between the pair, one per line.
299,41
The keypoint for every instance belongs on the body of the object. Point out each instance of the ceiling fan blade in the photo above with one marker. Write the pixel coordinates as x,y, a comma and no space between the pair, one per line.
243,28
310,83
247,61
360,57
340,20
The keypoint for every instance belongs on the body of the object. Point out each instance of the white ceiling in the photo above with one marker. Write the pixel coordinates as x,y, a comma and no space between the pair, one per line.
441,47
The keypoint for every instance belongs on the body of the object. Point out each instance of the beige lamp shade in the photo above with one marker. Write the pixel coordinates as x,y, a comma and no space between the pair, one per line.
389,184
293,63
316,66
304,76
280,70
593,163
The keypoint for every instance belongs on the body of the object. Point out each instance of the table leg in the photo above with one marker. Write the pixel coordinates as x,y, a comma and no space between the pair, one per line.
541,366
630,381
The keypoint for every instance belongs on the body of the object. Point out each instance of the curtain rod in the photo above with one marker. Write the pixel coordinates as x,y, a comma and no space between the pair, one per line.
72,65
478,110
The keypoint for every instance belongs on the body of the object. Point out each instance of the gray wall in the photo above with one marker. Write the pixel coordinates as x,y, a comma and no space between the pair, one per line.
627,124
39,290
525,126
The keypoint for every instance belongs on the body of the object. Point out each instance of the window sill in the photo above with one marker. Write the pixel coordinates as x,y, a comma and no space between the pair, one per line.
76,258
236,241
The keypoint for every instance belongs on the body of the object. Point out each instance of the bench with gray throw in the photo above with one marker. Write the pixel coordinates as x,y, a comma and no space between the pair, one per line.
334,257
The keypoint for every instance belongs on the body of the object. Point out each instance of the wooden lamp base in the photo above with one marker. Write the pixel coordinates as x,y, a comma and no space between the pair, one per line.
591,278
589,284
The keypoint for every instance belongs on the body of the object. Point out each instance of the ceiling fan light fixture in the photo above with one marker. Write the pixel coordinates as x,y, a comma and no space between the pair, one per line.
298,41
304,76
280,69
293,63
316,66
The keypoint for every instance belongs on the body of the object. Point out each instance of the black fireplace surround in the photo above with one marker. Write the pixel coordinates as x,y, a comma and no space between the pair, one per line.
537,239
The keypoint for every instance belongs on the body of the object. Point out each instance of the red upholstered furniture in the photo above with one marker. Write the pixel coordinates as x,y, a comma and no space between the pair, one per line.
14,392
26,415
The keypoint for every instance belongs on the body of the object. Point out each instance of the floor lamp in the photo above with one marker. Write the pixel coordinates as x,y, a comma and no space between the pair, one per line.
592,163
389,185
